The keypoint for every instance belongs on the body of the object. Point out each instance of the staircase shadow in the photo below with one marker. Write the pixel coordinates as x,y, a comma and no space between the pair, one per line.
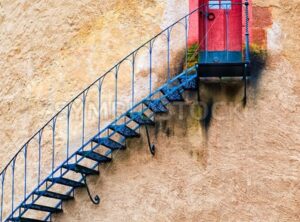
214,93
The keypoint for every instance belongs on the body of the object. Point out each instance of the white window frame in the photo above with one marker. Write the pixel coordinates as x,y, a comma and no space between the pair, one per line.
226,4
214,4
217,4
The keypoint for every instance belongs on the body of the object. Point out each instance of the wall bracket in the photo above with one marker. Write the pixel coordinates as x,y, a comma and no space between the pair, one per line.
95,200
151,146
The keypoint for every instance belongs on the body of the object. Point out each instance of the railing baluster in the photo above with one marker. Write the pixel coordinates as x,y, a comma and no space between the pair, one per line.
53,143
150,65
2,195
99,103
13,186
116,90
132,79
83,116
168,40
186,41
25,170
40,155
68,132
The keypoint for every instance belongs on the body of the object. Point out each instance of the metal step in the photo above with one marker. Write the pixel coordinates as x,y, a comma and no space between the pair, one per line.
124,131
140,118
66,182
24,219
42,208
54,195
171,94
94,156
189,82
81,169
156,106
109,143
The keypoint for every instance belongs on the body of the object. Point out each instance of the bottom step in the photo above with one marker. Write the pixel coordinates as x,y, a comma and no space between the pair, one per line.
24,219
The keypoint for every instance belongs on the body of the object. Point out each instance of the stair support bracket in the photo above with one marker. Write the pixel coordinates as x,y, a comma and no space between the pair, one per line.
96,199
151,146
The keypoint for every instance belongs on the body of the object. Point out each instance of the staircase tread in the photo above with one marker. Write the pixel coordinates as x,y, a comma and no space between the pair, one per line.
81,169
94,156
171,94
66,182
54,195
42,208
109,143
140,118
156,106
124,130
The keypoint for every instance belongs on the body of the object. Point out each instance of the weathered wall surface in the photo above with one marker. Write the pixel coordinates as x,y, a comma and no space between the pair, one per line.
245,168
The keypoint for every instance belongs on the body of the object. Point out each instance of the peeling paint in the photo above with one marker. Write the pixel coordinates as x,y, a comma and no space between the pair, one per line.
275,38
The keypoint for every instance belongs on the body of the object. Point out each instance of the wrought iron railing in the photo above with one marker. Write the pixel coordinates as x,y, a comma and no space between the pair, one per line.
88,114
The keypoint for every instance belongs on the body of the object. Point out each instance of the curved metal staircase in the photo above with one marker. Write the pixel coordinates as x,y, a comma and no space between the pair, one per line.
55,161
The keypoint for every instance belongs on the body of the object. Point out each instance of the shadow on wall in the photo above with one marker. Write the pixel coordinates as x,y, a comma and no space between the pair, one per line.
231,90
259,58
216,92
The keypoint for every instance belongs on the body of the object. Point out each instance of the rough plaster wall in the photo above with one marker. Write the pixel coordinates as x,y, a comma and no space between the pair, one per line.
247,167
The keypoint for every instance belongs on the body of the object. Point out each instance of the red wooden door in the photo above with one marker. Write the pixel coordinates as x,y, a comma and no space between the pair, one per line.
220,30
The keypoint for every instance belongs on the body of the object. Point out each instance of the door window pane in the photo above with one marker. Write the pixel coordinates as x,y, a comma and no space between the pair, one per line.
214,5
226,5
